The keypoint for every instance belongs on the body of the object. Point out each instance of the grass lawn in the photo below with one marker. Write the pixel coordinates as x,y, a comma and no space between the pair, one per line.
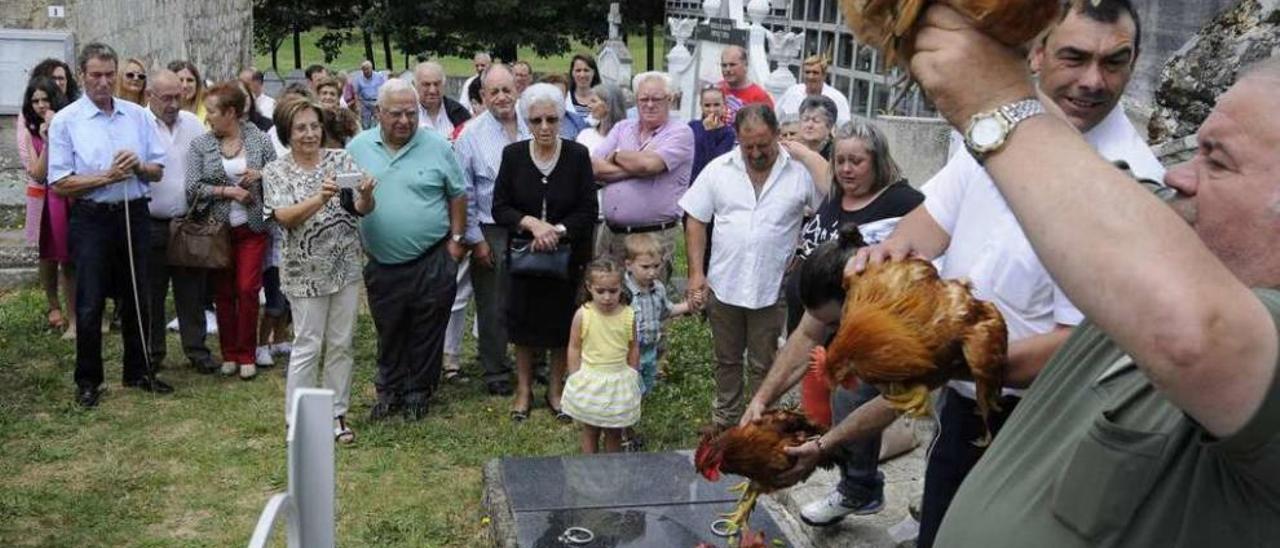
353,53
195,468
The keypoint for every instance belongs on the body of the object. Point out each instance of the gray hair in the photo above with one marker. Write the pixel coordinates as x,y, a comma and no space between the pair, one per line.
538,94
820,103
366,63
883,166
428,65
645,77
99,51
614,101
395,85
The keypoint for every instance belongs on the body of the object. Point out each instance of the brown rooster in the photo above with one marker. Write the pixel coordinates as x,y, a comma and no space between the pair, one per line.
907,331
890,25
755,451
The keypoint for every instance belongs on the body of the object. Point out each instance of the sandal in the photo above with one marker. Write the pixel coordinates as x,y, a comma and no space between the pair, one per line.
55,319
518,415
341,432
559,413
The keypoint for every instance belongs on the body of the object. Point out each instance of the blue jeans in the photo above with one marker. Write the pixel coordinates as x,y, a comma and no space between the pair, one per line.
648,367
100,249
860,477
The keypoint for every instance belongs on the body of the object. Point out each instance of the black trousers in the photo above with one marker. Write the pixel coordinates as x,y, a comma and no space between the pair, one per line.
953,455
189,289
100,248
410,304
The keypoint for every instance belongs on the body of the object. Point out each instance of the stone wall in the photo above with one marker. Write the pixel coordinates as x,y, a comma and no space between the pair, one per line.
217,35
1210,63
1166,26
919,145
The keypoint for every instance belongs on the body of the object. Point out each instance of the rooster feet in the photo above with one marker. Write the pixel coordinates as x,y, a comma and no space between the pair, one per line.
914,401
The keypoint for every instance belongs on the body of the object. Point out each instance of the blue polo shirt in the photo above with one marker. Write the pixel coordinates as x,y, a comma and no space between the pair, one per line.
415,185
83,140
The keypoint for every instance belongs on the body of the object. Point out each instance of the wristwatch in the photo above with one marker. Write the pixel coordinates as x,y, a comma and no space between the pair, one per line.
456,238
988,131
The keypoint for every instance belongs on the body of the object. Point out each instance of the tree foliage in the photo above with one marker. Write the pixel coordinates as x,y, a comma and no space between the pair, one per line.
444,27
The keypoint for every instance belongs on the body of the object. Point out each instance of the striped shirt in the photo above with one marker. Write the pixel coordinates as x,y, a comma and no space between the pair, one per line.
479,152
652,307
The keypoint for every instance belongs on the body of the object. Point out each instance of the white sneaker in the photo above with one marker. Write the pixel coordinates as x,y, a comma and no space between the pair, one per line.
282,349
248,371
262,357
228,368
172,326
833,508
210,322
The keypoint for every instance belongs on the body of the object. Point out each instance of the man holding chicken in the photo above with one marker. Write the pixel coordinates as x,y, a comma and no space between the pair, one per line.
1083,65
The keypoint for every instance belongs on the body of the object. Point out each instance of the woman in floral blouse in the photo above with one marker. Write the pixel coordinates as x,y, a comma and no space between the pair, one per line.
321,253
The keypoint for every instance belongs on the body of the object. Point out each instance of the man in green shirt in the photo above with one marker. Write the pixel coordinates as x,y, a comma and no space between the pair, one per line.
414,242
1158,422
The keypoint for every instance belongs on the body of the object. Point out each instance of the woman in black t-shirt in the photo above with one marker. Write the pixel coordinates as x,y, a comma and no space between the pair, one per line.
867,189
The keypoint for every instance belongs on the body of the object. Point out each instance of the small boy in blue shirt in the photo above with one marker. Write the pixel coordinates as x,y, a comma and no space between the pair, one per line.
649,300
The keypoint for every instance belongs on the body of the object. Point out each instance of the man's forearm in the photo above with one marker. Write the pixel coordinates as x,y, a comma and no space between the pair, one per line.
1028,356
1198,332
867,420
458,215
639,163
790,365
695,239
608,171
76,185
919,232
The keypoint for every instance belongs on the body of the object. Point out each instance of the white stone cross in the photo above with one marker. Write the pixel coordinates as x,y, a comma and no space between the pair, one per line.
615,21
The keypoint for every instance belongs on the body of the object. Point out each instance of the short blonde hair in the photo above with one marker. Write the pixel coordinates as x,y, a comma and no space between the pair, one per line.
638,245
816,59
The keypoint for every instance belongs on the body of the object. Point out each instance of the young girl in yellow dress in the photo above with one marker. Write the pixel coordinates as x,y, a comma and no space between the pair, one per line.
603,389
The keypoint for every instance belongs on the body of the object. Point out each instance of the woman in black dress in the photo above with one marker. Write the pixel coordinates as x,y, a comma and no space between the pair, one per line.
545,195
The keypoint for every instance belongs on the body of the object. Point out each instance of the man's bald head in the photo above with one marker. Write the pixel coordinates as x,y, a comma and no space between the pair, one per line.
733,66
497,73
164,95
499,91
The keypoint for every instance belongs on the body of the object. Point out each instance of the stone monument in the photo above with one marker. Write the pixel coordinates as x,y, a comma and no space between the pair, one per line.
614,59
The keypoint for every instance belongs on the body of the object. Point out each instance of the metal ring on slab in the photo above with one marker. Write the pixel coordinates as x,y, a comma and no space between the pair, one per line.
577,535
724,528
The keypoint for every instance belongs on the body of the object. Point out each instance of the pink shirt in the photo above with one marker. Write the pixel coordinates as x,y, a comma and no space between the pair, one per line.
649,200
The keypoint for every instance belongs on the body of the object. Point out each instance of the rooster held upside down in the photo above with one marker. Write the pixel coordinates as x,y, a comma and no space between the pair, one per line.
890,25
907,331
755,451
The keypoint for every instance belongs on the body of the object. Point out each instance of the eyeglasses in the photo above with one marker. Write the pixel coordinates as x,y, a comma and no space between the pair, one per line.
651,100
548,120
394,114
135,76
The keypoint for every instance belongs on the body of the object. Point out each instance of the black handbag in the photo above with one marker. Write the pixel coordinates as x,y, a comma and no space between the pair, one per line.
523,261
198,240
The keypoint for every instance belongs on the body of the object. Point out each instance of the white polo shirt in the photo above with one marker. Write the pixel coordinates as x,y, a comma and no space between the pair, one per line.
753,237
789,103
989,249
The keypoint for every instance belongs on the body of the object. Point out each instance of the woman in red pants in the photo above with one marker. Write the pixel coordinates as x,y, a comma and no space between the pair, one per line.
224,179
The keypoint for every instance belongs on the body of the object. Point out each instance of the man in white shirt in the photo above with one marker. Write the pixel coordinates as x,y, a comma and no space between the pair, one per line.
757,196
253,79
1084,64
814,72
481,62
175,129
436,110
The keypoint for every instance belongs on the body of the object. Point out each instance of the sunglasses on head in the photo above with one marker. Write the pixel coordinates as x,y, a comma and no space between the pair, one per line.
135,76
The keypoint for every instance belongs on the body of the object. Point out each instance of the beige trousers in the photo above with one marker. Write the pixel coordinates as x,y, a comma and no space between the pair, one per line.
734,331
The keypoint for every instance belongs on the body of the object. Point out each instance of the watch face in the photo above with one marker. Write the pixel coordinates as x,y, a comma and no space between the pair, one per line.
986,132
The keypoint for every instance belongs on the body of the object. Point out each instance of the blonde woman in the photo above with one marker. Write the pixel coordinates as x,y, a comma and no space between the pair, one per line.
132,82
193,89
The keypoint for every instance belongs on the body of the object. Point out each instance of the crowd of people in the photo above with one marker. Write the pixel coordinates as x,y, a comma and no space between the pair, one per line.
557,205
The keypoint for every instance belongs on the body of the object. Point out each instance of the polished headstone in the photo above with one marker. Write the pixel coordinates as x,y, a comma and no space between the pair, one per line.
624,499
